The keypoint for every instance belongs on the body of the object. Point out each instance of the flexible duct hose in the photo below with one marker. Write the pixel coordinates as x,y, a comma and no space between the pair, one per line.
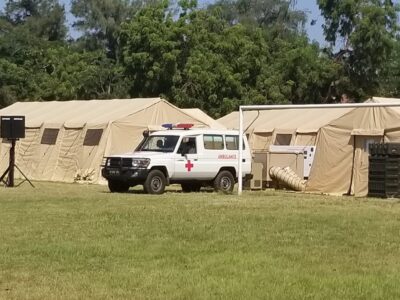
294,174
288,177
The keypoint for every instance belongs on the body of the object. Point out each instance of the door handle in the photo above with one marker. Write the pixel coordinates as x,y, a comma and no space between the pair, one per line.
195,159
243,160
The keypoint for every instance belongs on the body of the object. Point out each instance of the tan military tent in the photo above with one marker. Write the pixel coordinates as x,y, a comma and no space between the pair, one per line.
283,127
341,136
66,141
202,116
341,160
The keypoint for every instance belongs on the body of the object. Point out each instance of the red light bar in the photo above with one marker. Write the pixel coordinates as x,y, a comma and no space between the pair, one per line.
184,126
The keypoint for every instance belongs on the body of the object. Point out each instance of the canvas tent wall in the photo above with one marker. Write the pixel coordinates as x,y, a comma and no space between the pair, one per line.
66,141
341,161
202,116
283,127
383,100
342,138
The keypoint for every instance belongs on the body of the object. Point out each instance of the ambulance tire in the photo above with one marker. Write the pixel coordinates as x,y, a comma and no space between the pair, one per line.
224,182
155,182
116,186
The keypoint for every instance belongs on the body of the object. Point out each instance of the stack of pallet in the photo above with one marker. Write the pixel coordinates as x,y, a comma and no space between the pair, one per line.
384,170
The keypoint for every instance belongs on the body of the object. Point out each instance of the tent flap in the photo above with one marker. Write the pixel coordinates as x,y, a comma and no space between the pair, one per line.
368,132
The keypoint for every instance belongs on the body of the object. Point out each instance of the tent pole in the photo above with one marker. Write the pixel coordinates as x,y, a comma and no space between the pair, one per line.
240,178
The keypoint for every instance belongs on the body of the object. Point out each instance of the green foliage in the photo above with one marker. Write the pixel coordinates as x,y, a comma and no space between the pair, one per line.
150,48
367,29
86,75
215,58
279,15
43,18
34,66
296,74
100,21
202,60
389,80
59,73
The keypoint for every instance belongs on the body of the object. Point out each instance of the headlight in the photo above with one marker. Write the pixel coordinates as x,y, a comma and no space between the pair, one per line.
105,162
140,163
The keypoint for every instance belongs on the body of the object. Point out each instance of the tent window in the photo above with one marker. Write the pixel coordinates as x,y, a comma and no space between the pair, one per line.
306,139
261,140
93,137
283,139
49,136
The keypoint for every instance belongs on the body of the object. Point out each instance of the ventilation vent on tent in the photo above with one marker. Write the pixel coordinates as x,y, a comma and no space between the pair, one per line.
49,136
283,139
93,137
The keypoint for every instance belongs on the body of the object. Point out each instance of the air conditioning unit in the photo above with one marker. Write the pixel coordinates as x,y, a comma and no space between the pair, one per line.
256,183
307,151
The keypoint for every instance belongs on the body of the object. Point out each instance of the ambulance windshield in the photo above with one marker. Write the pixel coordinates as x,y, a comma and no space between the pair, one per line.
159,143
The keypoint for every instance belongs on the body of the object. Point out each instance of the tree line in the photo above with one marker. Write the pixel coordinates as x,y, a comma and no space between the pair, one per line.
214,57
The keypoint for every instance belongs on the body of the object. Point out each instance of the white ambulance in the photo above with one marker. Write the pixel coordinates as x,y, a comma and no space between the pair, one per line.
190,157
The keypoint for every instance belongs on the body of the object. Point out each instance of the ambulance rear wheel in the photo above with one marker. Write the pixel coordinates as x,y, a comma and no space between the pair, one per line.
155,182
224,182
116,186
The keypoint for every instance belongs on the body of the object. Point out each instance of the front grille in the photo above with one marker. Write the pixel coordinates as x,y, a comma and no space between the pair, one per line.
114,162
127,162
120,162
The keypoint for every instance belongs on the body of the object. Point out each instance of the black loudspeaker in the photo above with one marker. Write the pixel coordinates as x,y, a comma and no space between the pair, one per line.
12,127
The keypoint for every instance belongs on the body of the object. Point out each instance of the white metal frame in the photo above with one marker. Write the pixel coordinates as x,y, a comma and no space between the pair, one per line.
304,106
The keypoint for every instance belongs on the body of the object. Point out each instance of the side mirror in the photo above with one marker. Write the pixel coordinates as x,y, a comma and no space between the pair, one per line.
184,151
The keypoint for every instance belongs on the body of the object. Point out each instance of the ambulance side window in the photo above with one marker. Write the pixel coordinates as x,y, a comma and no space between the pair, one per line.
188,146
213,142
232,142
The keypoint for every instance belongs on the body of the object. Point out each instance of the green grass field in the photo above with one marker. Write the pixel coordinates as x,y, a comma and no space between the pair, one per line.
76,242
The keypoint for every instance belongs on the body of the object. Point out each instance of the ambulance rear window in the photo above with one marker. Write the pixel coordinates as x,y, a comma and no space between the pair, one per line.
213,142
232,142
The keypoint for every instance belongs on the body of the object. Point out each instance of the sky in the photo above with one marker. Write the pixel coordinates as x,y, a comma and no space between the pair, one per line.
315,32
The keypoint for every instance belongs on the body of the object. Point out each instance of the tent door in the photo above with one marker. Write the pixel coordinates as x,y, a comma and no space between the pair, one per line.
359,184
66,167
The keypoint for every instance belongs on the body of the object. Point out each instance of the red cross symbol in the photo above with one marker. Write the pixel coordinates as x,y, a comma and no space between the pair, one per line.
189,165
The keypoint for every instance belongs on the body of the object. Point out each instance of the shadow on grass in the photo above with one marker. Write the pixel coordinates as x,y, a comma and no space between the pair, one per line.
142,192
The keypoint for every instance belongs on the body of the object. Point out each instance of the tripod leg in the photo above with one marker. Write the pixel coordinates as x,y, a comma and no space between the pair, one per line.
26,178
4,175
12,163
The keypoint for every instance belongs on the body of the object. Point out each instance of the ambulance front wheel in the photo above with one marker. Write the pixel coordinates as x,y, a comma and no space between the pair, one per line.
155,182
224,182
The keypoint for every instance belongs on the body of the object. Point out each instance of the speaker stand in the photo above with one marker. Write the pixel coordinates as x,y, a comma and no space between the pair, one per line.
9,182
